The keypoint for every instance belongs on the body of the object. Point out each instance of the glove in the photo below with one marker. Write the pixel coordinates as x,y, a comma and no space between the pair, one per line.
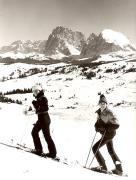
100,130
99,127
34,102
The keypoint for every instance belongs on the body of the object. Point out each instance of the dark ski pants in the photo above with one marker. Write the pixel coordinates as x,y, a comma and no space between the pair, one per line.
106,140
45,127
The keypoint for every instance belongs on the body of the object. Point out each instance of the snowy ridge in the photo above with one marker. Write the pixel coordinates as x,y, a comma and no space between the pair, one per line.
19,55
25,47
115,37
107,42
117,56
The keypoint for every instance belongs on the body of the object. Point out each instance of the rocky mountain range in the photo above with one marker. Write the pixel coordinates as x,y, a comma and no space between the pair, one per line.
25,47
65,42
106,42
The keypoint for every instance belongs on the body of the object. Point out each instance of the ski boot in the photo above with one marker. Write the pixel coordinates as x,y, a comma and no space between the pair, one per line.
100,169
50,155
37,152
118,170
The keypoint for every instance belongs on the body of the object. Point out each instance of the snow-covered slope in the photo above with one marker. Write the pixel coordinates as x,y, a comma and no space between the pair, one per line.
19,55
16,165
73,100
16,70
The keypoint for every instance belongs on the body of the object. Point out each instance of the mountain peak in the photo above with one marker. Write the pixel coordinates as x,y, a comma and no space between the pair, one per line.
64,41
106,42
92,37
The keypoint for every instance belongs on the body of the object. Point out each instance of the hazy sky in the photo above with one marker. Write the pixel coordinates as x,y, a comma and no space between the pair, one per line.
35,19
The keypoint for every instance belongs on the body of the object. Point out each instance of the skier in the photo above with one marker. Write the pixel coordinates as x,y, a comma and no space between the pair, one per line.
43,122
106,124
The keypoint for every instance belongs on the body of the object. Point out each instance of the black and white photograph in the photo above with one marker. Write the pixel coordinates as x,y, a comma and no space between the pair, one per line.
67,89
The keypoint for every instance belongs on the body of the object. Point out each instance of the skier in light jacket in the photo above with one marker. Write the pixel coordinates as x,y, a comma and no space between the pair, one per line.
106,124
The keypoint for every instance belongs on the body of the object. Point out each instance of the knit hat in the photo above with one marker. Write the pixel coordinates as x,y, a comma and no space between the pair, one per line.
102,99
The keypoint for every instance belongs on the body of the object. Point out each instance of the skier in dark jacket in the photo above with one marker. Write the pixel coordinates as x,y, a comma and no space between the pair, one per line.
43,123
106,124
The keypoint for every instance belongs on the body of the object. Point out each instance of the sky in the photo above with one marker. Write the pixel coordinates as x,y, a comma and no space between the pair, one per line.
35,19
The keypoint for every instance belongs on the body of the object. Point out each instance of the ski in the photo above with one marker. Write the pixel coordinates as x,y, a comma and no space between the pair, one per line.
107,172
30,150
27,149
104,171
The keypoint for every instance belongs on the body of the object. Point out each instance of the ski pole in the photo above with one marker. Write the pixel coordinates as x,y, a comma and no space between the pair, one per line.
90,149
97,149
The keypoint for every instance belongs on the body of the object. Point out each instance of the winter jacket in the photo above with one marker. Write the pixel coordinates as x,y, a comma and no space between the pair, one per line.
106,120
41,107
